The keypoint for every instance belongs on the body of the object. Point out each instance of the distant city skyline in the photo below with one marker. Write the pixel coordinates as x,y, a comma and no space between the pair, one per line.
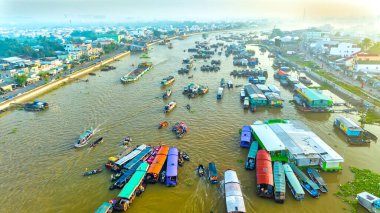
14,11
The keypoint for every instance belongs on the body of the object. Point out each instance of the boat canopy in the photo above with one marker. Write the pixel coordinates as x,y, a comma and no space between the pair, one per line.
131,155
302,176
234,196
253,150
246,133
113,159
273,88
280,72
293,181
134,182
136,159
128,174
159,160
279,177
212,168
104,208
264,88
85,134
264,171
172,163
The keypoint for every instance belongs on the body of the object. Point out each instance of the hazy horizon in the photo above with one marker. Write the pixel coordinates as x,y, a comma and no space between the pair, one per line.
64,11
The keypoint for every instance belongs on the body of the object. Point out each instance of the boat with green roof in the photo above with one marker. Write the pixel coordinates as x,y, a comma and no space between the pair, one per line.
293,183
251,158
279,182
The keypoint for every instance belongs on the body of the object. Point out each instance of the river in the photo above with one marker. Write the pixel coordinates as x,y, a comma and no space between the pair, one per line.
42,172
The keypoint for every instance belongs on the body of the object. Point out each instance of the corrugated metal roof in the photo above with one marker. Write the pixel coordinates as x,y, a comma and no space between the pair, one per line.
293,179
269,139
279,177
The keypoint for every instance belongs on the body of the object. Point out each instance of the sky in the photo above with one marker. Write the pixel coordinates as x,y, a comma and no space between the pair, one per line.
13,11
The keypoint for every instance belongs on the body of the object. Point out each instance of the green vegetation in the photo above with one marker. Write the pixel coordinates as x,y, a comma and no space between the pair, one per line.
300,61
14,130
110,47
375,49
15,47
21,79
370,117
364,180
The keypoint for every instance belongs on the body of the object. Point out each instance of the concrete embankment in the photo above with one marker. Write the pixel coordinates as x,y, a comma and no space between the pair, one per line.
56,83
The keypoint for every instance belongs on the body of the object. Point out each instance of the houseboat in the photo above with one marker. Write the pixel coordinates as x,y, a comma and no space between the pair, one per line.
293,183
279,182
251,158
137,73
312,99
306,183
354,133
232,192
316,177
36,106
256,96
172,167
170,106
212,173
220,93
84,138
245,139
131,189
167,94
125,176
274,89
106,207
369,201
242,95
274,99
168,80
119,164
264,174
153,173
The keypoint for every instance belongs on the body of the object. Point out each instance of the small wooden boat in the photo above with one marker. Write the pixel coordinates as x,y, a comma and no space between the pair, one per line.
191,76
170,106
84,138
188,107
127,140
96,142
168,80
163,177
185,156
246,103
167,94
36,106
201,170
306,183
95,171
316,178
163,124
92,74
212,173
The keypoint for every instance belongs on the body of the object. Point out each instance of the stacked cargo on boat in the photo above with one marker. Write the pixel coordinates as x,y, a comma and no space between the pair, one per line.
291,141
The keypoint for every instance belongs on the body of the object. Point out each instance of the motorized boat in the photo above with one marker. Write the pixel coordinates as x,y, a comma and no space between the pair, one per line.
92,74
180,129
84,138
127,140
212,173
95,171
201,170
36,106
167,94
185,156
168,80
170,106
96,142
317,178
163,124
246,103
163,177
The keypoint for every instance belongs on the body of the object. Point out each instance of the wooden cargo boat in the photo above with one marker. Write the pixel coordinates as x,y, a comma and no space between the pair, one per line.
170,106
293,183
153,173
167,94
251,158
264,174
316,177
137,73
96,142
279,182
232,192
119,164
131,189
172,167
212,173
168,80
36,106
306,183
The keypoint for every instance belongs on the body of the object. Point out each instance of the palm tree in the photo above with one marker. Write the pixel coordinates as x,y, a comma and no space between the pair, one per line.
367,43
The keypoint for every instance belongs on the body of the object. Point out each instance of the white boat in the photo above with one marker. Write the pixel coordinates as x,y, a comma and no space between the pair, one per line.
170,106
246,103
130,156
369,201
230,84
242,94
220,93
233,194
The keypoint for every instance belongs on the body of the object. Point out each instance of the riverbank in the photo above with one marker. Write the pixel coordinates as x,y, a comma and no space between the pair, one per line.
33,93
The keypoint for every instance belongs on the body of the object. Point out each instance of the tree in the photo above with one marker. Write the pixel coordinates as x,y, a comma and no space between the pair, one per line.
366,43
21,79
277,42
375,49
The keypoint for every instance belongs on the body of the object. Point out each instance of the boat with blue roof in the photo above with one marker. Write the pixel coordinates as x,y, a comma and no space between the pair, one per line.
84,138
317,178
311,187
212,173
246,136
